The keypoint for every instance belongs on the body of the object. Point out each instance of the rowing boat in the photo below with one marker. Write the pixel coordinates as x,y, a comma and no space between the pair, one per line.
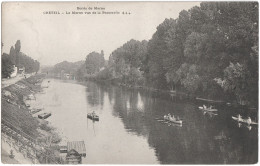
44,115
208,109
243,121
93,116
172,120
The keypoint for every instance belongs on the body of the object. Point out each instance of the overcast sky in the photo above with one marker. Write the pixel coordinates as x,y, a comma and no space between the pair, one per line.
51,38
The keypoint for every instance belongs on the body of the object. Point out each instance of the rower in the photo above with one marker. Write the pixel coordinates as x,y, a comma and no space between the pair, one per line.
249,121
173,118
239,117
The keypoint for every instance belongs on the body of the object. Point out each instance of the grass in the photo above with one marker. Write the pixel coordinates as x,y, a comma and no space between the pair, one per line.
17,114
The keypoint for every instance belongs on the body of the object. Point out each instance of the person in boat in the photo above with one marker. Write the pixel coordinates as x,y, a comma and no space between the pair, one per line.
249,121
239,117
204,106
210,107
93,113
178,118
172,117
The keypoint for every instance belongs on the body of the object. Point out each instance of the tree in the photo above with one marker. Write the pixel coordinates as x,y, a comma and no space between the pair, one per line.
235,80
17,49
12,55
94,62
7,66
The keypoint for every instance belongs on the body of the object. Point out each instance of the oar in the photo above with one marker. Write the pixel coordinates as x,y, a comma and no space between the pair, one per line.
94,129
161,120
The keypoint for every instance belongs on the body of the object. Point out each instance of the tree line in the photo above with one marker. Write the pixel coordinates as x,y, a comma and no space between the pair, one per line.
209,51
18,59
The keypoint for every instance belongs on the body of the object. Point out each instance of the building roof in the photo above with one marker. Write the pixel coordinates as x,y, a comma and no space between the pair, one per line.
73,153
79,146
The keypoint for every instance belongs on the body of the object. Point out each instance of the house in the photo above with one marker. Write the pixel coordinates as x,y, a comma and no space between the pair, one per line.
67,76
21,70
73,157
14,73
79,146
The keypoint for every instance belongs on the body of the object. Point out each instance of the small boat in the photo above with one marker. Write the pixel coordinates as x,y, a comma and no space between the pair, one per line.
93,116
63,149
207,109
210,113
170,119
44,115
172,91
244,121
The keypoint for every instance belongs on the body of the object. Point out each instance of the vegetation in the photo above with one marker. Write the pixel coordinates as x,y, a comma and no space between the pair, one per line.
15,112
67,67
210,51
7,66
18,59
94,62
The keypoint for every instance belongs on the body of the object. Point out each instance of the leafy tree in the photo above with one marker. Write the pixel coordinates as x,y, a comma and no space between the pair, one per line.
235,80
7,66
13,55
94,62
212,42
17,49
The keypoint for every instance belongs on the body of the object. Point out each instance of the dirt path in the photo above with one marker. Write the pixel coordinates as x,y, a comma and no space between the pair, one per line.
6,82
19,158
6,159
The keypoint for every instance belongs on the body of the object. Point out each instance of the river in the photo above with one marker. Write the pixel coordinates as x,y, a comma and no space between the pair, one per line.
129,131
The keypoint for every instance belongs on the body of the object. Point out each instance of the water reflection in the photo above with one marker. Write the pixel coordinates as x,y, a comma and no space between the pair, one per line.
204,138
95,95
128,131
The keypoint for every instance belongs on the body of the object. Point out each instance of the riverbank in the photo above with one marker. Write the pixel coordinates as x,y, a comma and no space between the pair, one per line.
179,93
18,109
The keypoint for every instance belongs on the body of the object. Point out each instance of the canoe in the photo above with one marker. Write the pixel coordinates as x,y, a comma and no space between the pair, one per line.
171,120
208,109
44,115
244,121
93,117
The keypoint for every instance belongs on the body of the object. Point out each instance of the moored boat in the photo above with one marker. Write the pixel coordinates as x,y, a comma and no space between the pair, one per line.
44,115
93,116
244,121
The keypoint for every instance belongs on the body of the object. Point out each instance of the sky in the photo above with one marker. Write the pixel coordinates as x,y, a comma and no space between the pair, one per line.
53,38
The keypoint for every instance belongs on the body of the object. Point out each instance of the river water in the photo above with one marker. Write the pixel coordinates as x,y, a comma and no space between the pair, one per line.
130,131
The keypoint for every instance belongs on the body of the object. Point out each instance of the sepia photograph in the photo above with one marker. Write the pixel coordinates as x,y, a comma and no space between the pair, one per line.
129,82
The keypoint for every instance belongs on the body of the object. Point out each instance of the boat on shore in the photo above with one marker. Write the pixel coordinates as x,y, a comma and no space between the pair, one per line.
93,116
244,120
44,115
173,120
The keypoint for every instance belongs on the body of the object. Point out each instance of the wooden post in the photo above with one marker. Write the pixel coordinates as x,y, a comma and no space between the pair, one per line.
11,141
46,158
5,137
35,154
26,151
